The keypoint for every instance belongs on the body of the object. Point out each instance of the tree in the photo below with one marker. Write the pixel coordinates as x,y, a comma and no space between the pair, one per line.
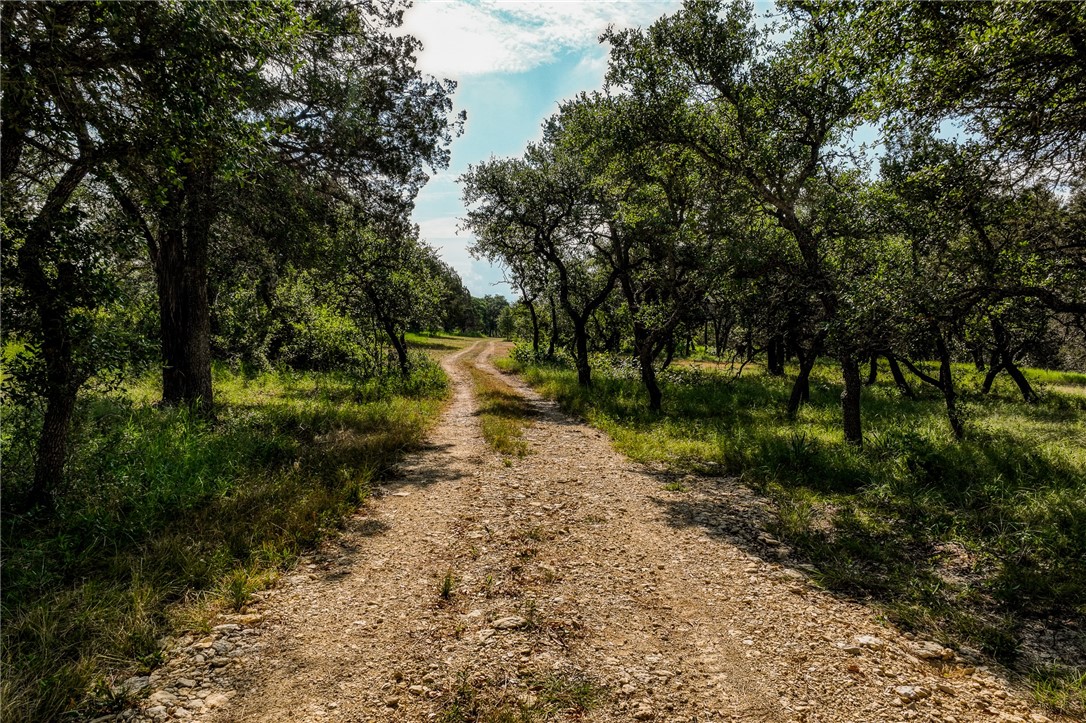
1011,74
326,90
56,252
539,207
385,279
664,221
769,113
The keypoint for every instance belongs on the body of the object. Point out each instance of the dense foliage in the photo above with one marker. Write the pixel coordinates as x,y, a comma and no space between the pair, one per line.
185,185
863,221
718,183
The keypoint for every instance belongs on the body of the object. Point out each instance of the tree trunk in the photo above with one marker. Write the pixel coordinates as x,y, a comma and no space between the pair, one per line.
580,344
801,388
535,327
993,371
184,311
554,329
648,378
899,378
62,387
1028,394
946,384
850,401
669,353
978,357
48,295
872,371
52,447
775,356
399,343
1007,359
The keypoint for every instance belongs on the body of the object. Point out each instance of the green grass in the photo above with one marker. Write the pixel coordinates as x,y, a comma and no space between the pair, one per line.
967,542
167,518
503,414
553,696
438,344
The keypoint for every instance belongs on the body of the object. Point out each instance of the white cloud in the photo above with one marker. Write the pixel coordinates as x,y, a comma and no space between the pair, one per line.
444,228
471,37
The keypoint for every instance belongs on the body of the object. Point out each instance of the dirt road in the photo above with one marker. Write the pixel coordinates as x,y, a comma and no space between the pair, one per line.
570,584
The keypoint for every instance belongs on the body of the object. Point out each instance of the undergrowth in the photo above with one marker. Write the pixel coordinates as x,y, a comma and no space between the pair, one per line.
976,543
167,517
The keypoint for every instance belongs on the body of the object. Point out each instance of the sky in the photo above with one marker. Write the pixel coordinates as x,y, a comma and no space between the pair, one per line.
514,62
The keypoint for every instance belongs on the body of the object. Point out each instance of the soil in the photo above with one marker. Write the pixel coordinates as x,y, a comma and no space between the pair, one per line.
569,584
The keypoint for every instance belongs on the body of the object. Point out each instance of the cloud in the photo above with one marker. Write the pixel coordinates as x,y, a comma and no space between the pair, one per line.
472,37
443,228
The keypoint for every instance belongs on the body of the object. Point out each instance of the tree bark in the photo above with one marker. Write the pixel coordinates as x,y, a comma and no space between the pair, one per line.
775,356
554,329
400,345
535,326
648,378
946,384
1007,359
850,401
994,368
52,447
872,371
899,378
669,352
185,319
1029,395
48,296
801,388
580,345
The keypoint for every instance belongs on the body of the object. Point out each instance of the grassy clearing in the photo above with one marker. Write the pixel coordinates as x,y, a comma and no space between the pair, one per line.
438,345
972,542
503,413
168,518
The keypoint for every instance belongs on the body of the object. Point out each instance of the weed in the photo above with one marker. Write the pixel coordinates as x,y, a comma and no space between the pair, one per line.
448,584
477,699
1060,687
531,613
573,694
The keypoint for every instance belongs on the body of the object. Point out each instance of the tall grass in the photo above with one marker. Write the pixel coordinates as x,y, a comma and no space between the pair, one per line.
971,541
166,514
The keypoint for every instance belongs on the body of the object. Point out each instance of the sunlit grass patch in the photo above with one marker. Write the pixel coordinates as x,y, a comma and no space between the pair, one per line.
965,541
503,413
168,518
553,696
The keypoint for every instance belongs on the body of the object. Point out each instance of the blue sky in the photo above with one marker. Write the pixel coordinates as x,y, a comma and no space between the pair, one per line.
514,62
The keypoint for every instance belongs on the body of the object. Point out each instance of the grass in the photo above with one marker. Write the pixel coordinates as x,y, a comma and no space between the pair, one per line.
438,345
972,543
539,698
503,413
448,585
168,519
